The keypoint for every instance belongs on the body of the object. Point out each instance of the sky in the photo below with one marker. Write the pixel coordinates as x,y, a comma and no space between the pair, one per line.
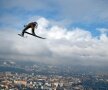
76,31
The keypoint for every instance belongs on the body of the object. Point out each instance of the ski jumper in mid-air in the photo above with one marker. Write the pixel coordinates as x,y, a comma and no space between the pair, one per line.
31,25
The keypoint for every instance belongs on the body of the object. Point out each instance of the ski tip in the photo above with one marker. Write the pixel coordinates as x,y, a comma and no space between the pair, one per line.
22,36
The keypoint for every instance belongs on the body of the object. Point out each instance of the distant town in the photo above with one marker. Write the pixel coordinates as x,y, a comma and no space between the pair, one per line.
38,76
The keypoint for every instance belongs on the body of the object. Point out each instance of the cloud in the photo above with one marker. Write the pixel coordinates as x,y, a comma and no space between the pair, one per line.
74,10
32,5
25,4
9,20
103,30
62,46
84,10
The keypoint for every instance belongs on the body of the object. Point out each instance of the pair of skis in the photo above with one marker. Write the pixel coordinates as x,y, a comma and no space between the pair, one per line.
32,35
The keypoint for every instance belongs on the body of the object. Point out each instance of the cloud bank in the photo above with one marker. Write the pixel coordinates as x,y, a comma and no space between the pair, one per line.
63,46
75,10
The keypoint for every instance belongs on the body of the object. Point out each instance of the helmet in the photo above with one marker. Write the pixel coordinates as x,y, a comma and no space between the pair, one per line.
36,23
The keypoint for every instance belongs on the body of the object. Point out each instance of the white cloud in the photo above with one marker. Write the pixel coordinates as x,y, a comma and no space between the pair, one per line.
25,4
103,30
76,46
74,10
84,10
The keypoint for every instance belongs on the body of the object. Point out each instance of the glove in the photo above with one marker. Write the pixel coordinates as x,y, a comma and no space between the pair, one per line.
25,25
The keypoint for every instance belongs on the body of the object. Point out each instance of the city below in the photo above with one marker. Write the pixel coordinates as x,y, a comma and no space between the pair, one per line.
27,75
